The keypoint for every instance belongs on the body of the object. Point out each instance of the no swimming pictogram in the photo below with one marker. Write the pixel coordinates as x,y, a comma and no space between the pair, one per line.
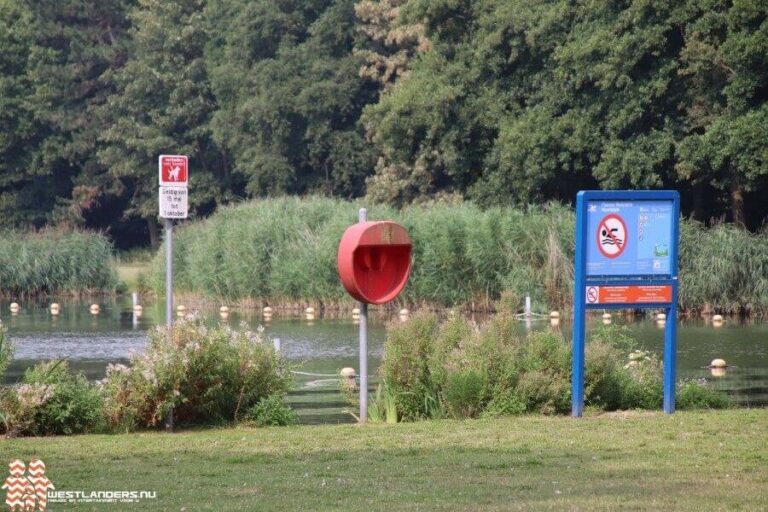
612,236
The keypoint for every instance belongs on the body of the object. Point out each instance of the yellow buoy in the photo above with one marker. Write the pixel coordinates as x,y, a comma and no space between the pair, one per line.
661,317
606,316
717,372
718,363
55,309
14,307
224,312
554,314
404,312
181,310
554,321
95,309
138,307
355,311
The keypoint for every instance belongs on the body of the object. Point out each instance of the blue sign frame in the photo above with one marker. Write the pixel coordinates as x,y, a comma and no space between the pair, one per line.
631,272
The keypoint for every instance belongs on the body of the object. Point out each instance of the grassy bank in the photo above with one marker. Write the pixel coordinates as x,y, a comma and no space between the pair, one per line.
284,251
627,461
55,262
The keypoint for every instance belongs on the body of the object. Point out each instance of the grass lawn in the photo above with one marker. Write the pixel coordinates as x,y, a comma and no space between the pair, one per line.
624,461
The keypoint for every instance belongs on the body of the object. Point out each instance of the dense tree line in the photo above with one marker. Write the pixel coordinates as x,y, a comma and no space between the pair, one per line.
498,101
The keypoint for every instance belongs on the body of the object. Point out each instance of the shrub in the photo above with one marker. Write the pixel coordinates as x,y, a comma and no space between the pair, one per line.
405,366
465,393
52,400
615,380
465,370
208,375
271,411
698,395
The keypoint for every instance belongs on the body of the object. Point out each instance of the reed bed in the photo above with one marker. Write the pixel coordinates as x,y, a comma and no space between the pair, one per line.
55,262
283,251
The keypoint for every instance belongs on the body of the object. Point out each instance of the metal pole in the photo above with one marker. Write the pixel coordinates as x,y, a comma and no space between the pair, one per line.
579,314
169,296
363,217
670,354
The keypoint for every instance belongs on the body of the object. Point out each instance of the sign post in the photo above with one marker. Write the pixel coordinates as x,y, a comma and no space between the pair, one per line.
173,173
626,257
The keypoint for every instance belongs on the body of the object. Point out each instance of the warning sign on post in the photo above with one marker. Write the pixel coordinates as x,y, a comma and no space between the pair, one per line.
174,203
173,170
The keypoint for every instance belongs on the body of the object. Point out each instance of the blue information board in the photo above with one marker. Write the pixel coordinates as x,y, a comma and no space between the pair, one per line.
626,257
630,238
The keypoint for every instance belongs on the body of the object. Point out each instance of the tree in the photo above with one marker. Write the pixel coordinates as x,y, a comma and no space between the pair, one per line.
725,66
162,104
289,95
26,196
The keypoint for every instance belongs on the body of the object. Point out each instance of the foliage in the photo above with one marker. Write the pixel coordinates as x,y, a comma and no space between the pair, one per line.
56,261
698,394
6,351
207,375
51,400
519,101
493,369
285,250
271,411
500,101
619,379
383,407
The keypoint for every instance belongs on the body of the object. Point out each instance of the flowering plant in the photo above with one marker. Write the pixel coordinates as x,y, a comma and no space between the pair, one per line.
206,374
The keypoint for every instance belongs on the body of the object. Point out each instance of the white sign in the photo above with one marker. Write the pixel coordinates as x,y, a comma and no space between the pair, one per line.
174,203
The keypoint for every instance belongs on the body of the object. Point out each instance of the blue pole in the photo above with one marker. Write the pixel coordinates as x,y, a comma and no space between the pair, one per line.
579,313
670,354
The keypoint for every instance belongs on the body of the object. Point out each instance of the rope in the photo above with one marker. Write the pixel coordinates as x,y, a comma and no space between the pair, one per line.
316,374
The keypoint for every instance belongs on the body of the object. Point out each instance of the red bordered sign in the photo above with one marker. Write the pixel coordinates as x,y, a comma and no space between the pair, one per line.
612,236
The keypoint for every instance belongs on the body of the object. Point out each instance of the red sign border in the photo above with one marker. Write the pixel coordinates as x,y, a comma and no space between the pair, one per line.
626,235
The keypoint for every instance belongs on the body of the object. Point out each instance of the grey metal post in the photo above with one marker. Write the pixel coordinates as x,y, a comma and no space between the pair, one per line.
169,296
363,217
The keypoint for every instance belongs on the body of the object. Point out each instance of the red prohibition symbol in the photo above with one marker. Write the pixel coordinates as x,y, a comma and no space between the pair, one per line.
612,236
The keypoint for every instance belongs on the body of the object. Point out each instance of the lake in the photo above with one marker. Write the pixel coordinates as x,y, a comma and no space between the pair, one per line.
322,347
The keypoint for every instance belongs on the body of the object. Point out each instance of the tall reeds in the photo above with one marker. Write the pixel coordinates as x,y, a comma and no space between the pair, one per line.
284,250
55,262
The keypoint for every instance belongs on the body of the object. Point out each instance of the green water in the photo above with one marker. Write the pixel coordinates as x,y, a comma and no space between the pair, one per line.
321,348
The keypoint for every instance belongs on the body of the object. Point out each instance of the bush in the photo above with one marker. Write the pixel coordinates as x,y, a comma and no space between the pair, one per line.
271,411
466,370
616,378
429,368
208,375
465,393
51,400
698,395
